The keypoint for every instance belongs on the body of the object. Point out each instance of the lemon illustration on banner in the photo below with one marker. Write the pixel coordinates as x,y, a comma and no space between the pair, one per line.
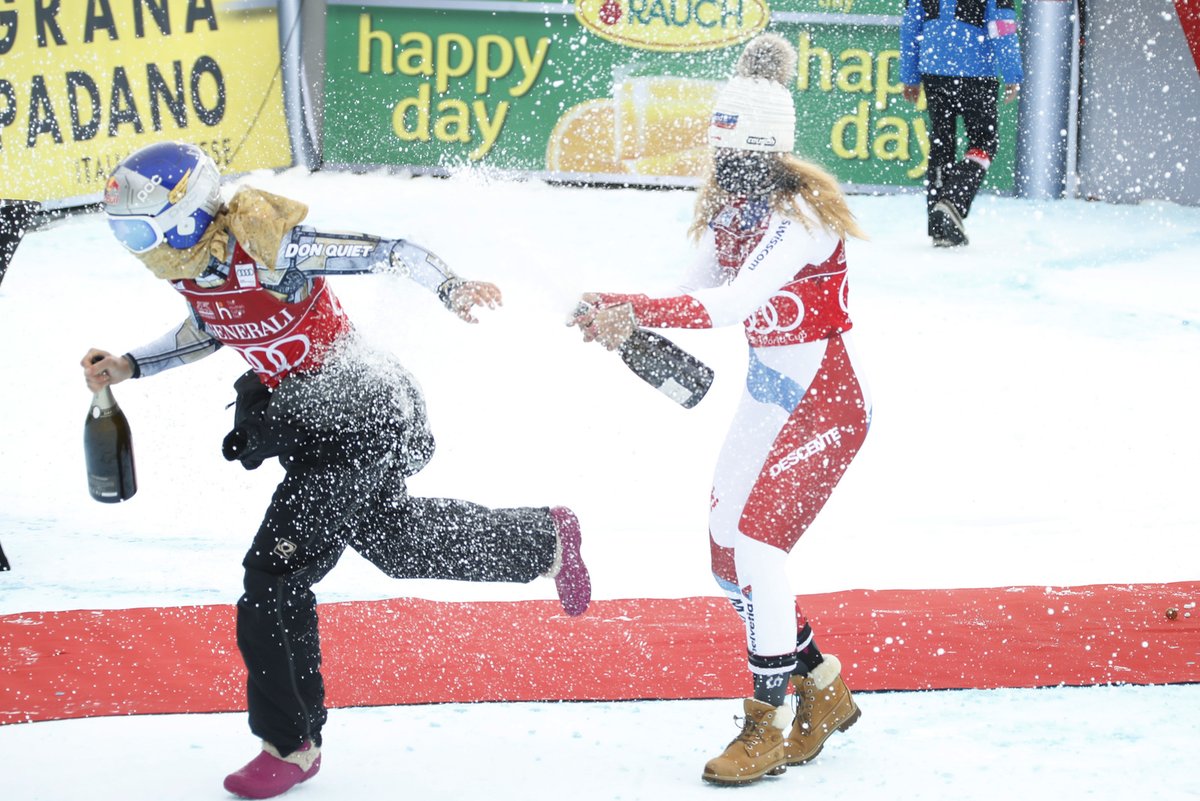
584,140
653,125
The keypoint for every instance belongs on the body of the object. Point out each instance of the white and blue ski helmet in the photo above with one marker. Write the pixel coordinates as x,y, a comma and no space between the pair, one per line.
166,192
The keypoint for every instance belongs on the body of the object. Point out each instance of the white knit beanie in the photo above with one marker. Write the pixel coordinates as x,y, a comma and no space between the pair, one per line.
754,110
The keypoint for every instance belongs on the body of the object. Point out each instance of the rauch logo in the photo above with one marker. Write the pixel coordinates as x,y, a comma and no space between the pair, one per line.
674,25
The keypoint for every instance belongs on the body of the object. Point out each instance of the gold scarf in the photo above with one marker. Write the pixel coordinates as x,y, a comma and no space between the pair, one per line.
258,221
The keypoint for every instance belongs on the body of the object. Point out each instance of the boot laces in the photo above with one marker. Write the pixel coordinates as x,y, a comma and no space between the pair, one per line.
803,703
753,729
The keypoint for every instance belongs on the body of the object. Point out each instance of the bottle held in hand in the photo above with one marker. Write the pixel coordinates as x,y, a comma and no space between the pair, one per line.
108,450
667,367
661,363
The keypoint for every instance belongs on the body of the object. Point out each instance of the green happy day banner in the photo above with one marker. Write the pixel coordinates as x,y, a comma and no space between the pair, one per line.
613,90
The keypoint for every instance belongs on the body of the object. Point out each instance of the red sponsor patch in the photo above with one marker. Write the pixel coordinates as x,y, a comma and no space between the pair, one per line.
112,191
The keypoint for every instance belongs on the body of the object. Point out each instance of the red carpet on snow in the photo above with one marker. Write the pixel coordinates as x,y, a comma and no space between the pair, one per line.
86,663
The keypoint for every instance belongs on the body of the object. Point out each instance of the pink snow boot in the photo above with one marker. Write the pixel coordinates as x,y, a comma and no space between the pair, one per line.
570,574
269,774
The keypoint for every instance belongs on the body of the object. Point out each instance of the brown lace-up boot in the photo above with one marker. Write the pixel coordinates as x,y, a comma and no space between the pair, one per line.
823,706
757,751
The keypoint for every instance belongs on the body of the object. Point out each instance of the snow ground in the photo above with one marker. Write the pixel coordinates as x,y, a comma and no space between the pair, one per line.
1103,743
1034,424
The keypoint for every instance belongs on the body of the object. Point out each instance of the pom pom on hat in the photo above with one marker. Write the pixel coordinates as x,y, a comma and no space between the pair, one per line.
768,56
754,111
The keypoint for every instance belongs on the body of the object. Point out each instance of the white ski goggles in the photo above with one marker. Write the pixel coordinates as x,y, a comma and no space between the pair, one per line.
141,232
138,233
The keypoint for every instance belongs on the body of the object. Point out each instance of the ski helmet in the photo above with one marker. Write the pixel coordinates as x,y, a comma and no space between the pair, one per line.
166,192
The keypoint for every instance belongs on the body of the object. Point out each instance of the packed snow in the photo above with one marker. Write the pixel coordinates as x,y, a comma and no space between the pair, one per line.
1034,424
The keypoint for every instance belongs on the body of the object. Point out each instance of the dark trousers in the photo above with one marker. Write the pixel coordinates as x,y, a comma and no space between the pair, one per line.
15,218
316,512
948,99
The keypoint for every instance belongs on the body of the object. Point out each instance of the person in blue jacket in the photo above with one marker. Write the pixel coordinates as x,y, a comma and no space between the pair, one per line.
959,51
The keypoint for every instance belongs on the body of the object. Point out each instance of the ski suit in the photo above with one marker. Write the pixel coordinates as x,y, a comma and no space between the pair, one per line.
957,48
348,424
803,414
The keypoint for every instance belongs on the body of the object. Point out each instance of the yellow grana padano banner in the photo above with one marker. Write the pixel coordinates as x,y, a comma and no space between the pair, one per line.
83,83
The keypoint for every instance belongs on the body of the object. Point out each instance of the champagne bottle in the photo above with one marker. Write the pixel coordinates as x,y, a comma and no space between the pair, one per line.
661,363
108,450
667,367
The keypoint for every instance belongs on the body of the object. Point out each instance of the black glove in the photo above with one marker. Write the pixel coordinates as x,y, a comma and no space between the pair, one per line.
257,435
237,447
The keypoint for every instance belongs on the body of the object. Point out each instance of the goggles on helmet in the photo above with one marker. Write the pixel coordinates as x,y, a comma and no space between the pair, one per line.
138,233
179,214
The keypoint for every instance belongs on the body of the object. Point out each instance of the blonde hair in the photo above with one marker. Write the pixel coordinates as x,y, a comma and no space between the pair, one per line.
800,179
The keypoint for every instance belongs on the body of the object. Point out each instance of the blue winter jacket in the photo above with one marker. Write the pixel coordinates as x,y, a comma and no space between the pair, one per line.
968,38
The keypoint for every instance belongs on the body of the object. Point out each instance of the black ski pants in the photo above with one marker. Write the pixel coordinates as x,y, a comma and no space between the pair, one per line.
948,99
316,512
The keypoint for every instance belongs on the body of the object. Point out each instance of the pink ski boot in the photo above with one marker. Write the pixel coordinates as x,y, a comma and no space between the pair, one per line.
269,774
570,574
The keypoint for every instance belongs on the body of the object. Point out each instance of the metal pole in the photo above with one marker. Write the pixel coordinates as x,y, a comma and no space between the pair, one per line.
1044,130
1072,186
290,38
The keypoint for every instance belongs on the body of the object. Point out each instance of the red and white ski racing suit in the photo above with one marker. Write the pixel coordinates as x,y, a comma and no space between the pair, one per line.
804,411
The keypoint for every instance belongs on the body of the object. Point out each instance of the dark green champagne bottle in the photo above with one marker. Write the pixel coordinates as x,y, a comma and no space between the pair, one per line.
667,367
108,450
661,363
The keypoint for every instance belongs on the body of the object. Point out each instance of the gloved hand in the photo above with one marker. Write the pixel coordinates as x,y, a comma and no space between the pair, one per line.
257,435
241,445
